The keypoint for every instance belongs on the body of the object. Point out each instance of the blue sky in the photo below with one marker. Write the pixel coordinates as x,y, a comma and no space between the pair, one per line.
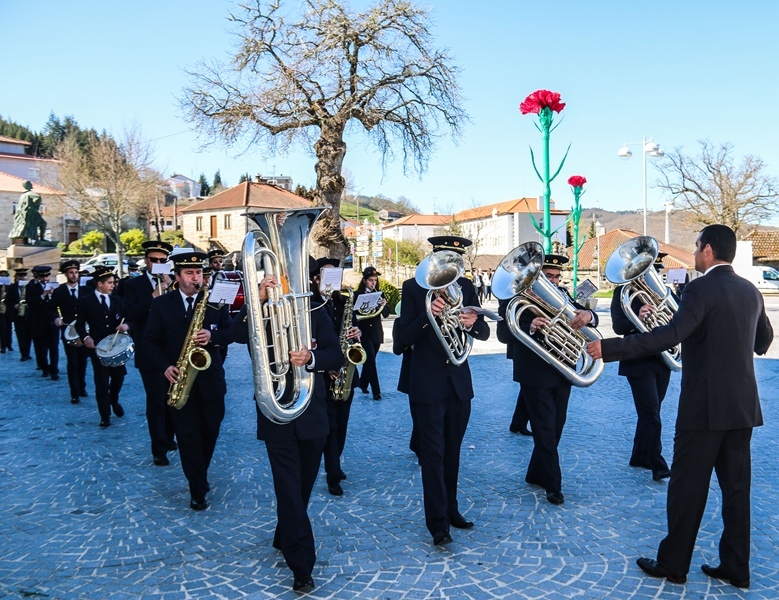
675,71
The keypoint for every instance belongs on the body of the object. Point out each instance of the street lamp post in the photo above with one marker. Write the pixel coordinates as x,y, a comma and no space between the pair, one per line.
648,146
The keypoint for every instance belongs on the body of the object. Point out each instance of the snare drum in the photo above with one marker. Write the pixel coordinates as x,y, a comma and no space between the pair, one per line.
237,304
122,350
71,336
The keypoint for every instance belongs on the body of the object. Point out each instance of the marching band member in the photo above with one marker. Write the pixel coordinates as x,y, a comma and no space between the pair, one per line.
372,333
138,295
440,394
65,300
197,423
544,389
16,303
215,262
5,321
40,322
103,314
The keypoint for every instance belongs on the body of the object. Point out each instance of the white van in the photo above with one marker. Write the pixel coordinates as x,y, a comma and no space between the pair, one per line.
765,279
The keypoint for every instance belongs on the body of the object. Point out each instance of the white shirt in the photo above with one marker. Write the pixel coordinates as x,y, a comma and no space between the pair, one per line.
712,267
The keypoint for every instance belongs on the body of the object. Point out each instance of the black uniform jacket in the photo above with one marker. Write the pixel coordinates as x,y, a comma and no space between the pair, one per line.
40,309
166,331
137,304
11,300
622,325
529,368
65,305
428,364
720,323
313,423
90,312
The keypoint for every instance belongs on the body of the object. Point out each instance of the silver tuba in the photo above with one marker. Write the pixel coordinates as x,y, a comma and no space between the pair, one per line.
631,266
282,390
438,273
519,277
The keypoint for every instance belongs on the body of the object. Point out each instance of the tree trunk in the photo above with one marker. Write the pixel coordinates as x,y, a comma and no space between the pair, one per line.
330,150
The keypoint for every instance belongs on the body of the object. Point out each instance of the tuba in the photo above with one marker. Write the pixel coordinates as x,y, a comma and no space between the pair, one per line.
282,390
631,266
520,278
354,353
438,273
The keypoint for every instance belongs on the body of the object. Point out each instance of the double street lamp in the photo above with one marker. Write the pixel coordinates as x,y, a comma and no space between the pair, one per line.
649,147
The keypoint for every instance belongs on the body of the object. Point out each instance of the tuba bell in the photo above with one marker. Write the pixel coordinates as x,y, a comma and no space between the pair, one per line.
519,278
631,266
280,245
438,273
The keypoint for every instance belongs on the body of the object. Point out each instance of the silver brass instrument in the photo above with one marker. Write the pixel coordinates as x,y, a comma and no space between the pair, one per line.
631,266
193,358
438,273
282,390
519,277
364,314
354,353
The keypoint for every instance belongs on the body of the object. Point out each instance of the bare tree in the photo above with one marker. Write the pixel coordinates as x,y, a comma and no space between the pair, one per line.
711,188
304,78
108,182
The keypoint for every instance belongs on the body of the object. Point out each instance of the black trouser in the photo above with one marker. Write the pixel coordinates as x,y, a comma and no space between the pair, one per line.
696,454
158,413
76,357
519,419
369,375
648,393
295,465
197,426
547,408
46,344
440,429
338,417
5,333
108,385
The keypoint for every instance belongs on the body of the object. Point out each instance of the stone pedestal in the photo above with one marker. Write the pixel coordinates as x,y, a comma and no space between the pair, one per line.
18,256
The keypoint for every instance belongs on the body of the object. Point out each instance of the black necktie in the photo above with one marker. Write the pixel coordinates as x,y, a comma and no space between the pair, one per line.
103,302
190,300
73,293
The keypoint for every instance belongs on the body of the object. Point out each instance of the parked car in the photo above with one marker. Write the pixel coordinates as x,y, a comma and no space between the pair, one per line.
105,260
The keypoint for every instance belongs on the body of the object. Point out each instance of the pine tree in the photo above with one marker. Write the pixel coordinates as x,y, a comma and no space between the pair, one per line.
217,185
205,189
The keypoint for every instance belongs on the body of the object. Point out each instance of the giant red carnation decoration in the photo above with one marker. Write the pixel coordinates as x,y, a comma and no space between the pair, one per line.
539,100
576,181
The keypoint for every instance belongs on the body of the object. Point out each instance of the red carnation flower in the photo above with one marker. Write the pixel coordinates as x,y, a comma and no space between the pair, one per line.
576,181
541,99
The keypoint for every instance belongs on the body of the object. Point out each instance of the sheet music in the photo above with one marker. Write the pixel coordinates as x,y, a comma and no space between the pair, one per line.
585,290
330,279
224,291
51,285
161,268
5,281
367,302
676,276
83,280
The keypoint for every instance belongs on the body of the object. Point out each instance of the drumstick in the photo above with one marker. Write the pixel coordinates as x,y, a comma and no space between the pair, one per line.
115,335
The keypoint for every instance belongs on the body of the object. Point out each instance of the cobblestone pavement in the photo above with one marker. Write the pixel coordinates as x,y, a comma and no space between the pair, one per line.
85,514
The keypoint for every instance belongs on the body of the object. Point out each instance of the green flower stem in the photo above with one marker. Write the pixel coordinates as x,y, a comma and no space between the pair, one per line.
545,116
577,213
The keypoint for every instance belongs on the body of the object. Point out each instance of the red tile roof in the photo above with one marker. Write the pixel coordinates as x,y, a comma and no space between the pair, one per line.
519,205
422,220
10,140
250,194
765,245
611,240
12,183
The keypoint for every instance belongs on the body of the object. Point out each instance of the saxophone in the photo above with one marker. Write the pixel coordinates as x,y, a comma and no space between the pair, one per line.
193,358
22,300
354,354
2,299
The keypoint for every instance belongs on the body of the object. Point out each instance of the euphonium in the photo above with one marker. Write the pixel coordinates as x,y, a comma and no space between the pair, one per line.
282,390
632,266
354,353
193,358
520,278
438,273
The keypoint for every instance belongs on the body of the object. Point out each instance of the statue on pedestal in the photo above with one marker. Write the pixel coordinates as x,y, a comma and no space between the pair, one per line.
28,223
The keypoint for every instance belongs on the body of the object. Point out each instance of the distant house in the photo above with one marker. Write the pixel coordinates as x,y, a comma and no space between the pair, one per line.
218,221
416,228
14,161
183,187
765,247
387,216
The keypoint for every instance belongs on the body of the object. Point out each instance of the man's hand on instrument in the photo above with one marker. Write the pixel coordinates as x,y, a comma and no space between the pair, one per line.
538,323
123,328
645,311
58,322
581,319
269,281
89,343
172,374
353,333
594,350
437,306
202,337
300,357
468,318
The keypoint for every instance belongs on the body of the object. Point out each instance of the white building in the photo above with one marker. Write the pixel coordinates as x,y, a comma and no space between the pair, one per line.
416,228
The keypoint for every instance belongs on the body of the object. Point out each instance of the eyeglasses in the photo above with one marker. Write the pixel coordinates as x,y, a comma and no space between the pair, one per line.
156,260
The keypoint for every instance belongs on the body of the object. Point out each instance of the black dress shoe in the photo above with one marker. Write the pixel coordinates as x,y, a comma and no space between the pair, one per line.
106,423
303,583
335,489
74,400
377,396
661,474
54,377
460,522
441,537
364,391
161,461
717,573
24,358
198,504
118,410
45,374
342,475
651,568
555,497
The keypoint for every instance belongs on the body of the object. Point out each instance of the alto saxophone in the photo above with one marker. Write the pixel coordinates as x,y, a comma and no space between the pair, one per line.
193,358
2,299
22,301
354,354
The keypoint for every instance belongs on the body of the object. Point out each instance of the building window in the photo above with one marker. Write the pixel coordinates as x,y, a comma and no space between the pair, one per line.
199,224
228,224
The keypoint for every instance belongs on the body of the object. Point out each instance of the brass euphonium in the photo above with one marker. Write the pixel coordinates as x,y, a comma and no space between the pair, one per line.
282,391
354,353
438,273
193,358
632,266
519,278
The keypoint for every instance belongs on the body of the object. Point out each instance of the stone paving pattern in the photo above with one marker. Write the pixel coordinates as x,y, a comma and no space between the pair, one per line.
85,514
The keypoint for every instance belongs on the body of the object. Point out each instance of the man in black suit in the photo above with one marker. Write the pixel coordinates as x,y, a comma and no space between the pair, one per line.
295,448
371,332
648,377
65,300
40,322
544,388
440,393
197,423
102,313
138,295
5,321
721,323
16,304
